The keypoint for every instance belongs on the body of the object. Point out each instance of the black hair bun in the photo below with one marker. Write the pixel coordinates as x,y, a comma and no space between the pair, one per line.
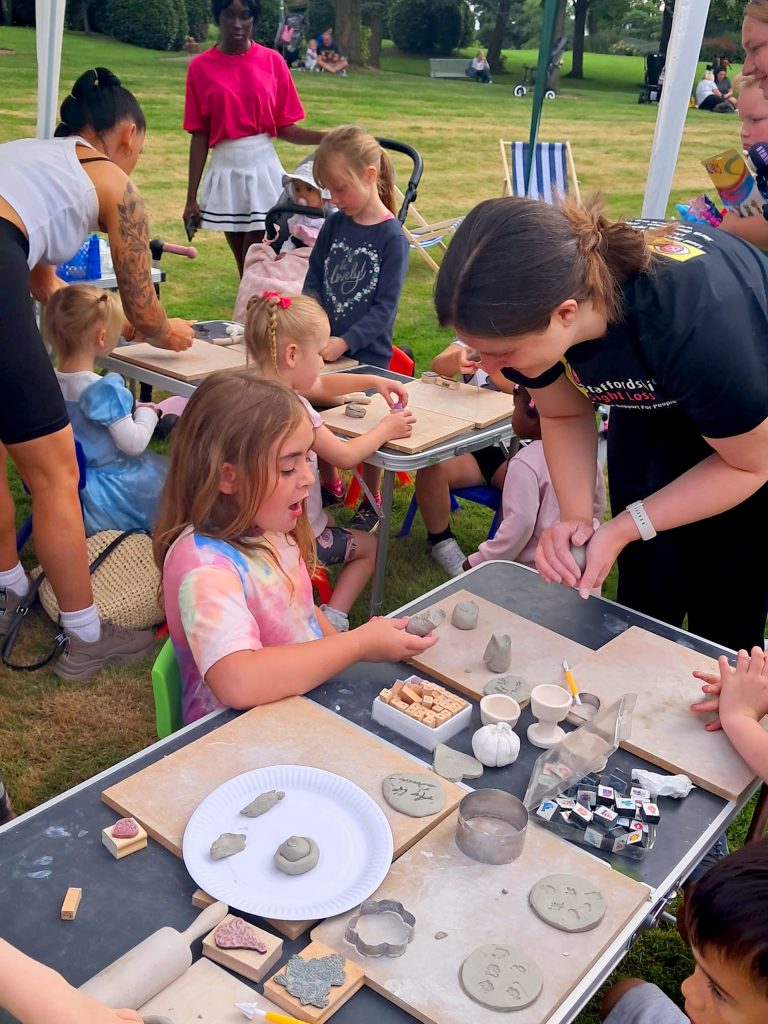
92,80
98,101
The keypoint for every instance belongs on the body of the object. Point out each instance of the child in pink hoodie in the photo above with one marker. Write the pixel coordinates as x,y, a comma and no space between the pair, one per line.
529,504
528,500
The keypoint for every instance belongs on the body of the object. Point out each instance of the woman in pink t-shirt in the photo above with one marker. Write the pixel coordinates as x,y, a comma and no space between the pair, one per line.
239,97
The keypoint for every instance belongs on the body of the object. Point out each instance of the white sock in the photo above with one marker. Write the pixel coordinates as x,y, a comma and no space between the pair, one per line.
16,579
85,624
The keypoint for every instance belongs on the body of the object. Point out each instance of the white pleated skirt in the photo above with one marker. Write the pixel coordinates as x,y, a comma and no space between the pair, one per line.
242,184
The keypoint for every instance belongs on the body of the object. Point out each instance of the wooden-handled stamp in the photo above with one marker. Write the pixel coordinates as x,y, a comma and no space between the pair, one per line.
70,904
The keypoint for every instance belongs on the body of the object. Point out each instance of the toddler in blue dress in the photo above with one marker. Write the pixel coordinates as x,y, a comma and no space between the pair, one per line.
123,482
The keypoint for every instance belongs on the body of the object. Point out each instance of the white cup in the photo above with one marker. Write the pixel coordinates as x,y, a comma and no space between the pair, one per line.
498,707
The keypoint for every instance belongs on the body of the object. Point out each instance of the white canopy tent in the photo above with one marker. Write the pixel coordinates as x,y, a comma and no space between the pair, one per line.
682,57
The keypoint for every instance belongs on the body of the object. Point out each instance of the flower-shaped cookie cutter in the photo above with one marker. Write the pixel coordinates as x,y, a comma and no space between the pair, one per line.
373,907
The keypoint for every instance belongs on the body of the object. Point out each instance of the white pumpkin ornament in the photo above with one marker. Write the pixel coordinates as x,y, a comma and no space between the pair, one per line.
496,745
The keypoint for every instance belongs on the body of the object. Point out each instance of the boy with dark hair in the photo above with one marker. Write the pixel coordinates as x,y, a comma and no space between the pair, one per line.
726,917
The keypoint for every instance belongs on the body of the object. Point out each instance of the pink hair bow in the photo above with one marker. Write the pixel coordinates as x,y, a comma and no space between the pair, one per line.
282,299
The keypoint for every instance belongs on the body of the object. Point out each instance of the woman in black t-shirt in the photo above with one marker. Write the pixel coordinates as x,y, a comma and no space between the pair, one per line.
671,330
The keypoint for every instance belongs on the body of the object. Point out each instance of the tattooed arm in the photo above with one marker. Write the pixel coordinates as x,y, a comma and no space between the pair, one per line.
124,218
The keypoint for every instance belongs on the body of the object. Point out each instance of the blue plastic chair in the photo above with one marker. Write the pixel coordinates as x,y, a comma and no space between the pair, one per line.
481,495
25,530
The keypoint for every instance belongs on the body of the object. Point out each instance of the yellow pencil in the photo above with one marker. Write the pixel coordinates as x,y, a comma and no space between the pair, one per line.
253,1012
571,683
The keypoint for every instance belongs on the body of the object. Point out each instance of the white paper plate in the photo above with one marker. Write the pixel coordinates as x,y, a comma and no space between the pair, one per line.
350,828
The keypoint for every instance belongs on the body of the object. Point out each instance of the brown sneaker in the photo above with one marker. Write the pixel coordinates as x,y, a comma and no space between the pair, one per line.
9,602
116,646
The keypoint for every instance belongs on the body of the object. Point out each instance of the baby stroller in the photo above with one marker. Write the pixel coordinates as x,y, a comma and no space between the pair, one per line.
529,72
267,268
650,90
288,38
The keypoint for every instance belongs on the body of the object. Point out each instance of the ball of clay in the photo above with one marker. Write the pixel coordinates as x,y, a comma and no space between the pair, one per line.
579,555
465,615
297,855
496,745
355,411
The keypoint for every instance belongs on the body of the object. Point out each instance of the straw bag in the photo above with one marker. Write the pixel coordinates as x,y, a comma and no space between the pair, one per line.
125,584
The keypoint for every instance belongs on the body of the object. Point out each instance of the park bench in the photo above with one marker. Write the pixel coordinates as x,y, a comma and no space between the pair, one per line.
447,67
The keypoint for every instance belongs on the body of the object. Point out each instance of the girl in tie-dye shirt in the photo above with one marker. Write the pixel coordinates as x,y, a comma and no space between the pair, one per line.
234,543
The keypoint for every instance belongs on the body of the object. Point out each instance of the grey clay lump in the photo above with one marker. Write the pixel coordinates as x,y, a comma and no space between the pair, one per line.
423,623
226,845
264,802
498,653
465,615
297,855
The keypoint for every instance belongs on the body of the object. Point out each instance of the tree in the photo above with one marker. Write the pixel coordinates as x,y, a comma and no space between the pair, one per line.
374,12
579,25
497,35
347,29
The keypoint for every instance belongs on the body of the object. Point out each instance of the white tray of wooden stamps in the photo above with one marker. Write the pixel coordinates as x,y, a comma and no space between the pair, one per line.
350,829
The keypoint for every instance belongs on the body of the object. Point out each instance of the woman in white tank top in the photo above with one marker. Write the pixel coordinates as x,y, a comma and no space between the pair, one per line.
52,194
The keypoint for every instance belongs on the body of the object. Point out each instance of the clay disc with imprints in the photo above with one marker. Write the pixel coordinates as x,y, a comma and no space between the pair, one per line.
568,902
501,977
413,794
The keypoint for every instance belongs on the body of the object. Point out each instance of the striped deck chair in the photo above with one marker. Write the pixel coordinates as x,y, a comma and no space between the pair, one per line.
553,166
424,235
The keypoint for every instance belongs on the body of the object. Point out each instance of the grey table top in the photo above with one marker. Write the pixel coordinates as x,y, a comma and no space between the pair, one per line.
59,844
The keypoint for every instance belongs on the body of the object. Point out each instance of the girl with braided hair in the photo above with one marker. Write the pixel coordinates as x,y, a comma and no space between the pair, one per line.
670,329
285,336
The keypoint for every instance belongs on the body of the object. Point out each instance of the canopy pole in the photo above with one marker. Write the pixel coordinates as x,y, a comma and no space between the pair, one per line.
49,19
542,67
688,25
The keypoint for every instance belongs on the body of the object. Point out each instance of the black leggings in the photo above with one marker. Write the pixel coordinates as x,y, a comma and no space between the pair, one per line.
714,571
31,403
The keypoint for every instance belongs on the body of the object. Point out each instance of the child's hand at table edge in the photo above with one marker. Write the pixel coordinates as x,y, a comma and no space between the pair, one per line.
397,424
387,640
712,685
744,690
387,388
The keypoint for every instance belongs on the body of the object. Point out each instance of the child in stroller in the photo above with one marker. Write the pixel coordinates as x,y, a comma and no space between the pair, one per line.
280,263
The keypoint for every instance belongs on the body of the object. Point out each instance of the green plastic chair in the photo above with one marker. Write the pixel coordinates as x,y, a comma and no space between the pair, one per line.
166,685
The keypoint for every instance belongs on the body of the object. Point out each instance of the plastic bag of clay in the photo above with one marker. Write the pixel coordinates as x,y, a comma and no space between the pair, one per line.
583,753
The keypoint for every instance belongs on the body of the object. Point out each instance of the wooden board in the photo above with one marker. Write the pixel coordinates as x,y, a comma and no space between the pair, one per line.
198,361
339,994
247,962
291,731
457,657
343,363
205,994
480,406
429,429
478,904
664,730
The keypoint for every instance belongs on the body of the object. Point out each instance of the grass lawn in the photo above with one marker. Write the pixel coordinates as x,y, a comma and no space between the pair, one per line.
54,734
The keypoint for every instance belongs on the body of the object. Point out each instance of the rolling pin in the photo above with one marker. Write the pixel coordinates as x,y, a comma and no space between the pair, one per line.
148,968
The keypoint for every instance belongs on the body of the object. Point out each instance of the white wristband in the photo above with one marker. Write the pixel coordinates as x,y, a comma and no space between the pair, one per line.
642,520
